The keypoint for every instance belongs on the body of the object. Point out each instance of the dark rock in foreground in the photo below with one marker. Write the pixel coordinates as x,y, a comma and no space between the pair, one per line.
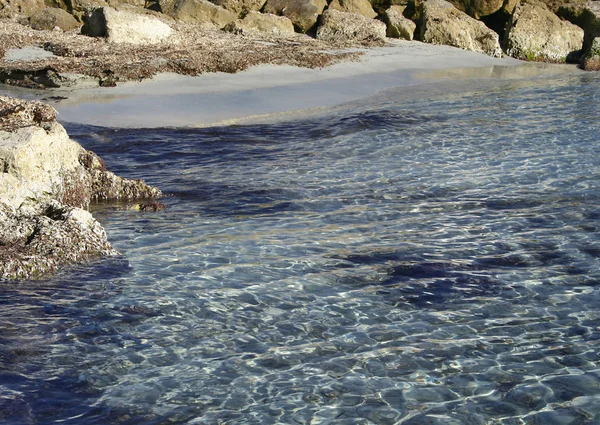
46,183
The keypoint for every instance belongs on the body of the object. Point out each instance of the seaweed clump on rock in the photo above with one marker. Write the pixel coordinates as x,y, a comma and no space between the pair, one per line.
47,181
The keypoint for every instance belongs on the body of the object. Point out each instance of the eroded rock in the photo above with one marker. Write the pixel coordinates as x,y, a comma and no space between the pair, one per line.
397,25
343,27
198,11
240,6
303,13
262,22
535,33
47,181
362,7
51,17
121,26
442,23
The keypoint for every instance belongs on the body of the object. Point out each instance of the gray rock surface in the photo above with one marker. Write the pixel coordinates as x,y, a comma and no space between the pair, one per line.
121,26
343,27
535,33
442,23
303,13
261,22
397,25
51,17
47,182
362,7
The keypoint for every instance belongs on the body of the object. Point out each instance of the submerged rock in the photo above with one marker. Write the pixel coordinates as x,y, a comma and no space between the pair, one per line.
442,23
47,181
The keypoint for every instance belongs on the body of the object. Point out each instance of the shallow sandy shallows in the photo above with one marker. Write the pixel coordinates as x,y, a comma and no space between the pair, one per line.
171,100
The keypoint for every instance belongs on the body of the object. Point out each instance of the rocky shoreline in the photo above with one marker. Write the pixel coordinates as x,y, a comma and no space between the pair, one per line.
48,180
46,185
123,40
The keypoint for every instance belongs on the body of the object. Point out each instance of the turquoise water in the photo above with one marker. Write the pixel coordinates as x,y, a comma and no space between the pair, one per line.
408,259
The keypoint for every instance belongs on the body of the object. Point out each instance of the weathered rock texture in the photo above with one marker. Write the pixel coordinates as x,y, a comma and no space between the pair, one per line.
198,11
344,27
240,6
585,15
46,181
397,25
120,26
303,13
481,8
362,7
261,22
51,17
591,59
442,23
535,33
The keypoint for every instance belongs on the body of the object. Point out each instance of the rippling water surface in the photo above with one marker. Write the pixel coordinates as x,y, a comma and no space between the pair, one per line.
413,261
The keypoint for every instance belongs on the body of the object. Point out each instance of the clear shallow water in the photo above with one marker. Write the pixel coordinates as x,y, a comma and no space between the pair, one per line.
430,261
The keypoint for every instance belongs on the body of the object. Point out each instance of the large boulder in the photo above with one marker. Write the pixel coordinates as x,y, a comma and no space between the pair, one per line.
121,26
47,181
51,17
198,11
585,15
397,25
442,23
343,27
261,23
535,33
362,7
240,6
303,13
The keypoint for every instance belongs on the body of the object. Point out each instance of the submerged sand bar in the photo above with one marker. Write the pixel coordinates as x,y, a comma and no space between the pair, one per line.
171,100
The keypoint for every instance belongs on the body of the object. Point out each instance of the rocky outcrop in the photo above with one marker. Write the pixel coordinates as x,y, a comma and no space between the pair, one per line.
362,7
584,15
120,26
261,22
591,58
442,23
303,13
47,181
51,17
397,25
535,33
343,27
198,11
240,6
